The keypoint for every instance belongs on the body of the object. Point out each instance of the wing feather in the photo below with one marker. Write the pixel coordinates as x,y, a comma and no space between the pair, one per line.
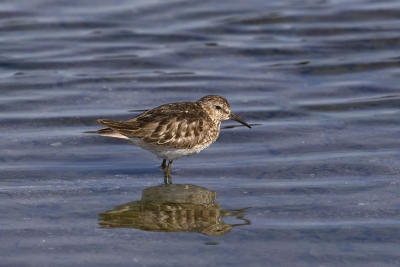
177,125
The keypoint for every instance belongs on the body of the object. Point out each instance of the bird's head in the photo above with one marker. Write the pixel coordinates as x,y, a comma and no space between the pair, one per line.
219,109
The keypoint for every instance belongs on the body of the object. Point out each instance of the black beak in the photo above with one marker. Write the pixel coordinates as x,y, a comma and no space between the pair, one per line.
236,118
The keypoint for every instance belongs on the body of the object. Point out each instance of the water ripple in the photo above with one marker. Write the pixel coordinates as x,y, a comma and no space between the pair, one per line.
316,178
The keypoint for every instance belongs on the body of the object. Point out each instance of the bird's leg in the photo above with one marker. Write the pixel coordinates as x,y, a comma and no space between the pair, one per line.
165,178
164,164
169,178
164,169
167,171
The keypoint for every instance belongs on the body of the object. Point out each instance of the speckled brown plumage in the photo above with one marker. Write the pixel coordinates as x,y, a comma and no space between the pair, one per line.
178,125
174,130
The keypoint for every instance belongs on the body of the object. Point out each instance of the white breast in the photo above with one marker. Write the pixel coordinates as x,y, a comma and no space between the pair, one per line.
168,153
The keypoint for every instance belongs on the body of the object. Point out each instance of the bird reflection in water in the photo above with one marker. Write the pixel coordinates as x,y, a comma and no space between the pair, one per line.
173,208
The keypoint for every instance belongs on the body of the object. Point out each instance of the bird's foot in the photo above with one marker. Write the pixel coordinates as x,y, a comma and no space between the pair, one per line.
167,171
167,179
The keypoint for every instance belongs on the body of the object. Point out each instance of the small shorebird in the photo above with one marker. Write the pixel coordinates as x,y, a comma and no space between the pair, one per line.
174,130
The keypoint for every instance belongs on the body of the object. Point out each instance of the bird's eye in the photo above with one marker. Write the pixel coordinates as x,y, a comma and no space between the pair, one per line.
217,107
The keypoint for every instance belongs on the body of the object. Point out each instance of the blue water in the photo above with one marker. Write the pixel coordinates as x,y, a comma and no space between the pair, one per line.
315,182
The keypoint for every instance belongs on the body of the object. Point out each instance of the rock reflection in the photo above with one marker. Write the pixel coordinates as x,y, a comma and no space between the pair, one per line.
173,208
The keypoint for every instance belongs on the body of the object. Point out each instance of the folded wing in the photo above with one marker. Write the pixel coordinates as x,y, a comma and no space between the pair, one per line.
178,125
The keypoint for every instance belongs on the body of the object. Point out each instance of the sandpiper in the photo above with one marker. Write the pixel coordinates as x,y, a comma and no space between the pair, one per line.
174,130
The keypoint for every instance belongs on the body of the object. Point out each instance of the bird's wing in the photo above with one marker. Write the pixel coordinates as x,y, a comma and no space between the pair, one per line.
177,125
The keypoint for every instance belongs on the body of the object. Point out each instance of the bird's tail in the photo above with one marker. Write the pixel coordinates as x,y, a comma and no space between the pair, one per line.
108,131
101,131
91,132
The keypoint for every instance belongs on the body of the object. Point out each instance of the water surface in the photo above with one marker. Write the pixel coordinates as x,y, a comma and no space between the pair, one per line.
314,183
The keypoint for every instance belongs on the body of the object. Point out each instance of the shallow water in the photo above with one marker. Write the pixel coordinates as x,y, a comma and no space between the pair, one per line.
314,183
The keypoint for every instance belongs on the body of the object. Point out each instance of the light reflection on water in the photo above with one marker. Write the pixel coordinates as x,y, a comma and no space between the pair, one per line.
318,172
173,208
